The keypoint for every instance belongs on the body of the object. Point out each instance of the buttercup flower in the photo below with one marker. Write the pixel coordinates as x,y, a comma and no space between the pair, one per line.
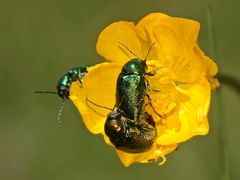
183,80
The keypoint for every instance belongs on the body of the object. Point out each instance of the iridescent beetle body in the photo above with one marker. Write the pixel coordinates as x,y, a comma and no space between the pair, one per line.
130,128
65,82
131,88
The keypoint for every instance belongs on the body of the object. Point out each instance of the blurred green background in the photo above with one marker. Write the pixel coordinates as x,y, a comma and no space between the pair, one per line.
40,41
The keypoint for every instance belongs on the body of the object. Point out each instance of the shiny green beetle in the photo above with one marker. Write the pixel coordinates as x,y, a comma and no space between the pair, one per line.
65,82
130,128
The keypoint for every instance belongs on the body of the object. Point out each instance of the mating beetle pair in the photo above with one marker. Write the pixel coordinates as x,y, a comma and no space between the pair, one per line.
128,126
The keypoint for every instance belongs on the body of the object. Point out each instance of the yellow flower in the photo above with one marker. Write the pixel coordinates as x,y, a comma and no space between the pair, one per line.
184,77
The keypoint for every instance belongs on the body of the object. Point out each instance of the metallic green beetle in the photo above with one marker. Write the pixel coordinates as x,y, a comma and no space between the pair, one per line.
65,82
129,128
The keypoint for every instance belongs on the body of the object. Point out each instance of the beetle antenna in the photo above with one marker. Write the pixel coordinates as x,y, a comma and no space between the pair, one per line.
98,105
46,92
149,51
60,113
128,49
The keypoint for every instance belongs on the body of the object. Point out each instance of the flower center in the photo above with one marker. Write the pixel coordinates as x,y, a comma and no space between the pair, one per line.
162,88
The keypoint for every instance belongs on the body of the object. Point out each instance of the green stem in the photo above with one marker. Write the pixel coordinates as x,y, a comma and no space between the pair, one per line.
230,81
222,127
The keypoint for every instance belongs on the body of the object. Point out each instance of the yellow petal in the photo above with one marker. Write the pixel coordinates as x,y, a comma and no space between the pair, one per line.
211,68
185,67
99,86
212,71
190,115
149,22
109,44
175,35
175,48
145,30
155,154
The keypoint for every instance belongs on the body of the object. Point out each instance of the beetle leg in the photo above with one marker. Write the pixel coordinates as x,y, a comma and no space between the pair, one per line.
150,103
148,87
